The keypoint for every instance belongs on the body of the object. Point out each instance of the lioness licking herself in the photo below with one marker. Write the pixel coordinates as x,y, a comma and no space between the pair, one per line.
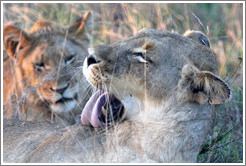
165,87
43,75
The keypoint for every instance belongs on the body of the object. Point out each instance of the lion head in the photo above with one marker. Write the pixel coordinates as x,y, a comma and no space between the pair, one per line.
46,64
146,71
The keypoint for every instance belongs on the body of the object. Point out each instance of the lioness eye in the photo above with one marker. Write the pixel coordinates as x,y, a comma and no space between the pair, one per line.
139,56
39,66
69,59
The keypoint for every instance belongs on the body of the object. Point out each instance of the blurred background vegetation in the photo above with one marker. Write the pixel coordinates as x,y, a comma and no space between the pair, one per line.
223,24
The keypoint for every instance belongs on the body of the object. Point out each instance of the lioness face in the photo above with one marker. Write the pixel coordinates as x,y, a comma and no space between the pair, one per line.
48,61
152,66
52,68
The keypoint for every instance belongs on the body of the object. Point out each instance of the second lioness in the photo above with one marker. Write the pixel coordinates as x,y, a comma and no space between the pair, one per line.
42,75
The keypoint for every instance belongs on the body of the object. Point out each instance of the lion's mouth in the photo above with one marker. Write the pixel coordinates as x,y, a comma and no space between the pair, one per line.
102,109
63,100
64,104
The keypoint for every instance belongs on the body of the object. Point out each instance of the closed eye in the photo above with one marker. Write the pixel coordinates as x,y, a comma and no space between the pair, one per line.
138,54
140,57
69,59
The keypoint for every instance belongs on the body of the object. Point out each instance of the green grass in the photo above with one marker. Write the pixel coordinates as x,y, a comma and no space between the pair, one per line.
223,23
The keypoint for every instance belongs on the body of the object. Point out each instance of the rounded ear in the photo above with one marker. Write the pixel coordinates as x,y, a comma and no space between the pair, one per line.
198,36
203,86
82,25
12,37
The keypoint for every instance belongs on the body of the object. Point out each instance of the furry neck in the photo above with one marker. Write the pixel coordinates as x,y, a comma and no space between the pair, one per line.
173,131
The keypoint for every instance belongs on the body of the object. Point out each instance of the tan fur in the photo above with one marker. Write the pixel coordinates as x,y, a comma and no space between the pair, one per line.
46,59
167,116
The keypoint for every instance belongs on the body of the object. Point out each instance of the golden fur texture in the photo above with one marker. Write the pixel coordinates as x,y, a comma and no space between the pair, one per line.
168,85
42,75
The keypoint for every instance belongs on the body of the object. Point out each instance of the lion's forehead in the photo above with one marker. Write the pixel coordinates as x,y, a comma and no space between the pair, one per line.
155,34
42,27
53,46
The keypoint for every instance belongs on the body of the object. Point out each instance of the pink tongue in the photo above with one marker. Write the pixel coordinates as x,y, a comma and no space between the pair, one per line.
93,113
92,108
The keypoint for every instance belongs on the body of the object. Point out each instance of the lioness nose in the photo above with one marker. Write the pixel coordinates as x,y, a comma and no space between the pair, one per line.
60,90
91,60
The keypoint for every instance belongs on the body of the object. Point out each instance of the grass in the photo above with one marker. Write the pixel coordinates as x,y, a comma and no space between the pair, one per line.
223,23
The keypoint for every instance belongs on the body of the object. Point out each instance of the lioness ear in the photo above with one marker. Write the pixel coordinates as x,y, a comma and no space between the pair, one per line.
12,37
82,25
198,36
203,86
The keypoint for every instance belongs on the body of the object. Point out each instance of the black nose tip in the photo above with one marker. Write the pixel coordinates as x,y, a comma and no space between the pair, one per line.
91,60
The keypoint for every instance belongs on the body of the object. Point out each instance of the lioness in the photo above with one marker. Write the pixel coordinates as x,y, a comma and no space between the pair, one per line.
43,75
165,87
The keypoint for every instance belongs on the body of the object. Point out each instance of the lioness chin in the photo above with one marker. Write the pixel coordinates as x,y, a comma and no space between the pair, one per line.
166,89
42,76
